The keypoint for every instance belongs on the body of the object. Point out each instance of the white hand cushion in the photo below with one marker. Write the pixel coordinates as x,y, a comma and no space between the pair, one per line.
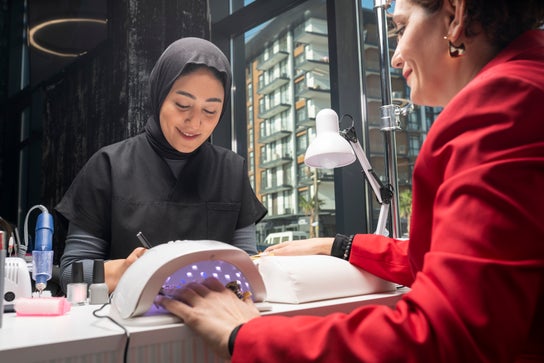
300,279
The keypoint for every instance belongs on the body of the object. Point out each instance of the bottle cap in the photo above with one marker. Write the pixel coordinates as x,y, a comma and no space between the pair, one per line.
77,272
98,271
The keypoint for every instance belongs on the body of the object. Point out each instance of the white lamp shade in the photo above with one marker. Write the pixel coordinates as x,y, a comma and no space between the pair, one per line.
328,150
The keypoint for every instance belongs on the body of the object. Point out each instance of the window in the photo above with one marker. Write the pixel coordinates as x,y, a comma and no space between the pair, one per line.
291,75
270,72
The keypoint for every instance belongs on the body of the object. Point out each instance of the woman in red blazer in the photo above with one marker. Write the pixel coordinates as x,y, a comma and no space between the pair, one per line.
475,257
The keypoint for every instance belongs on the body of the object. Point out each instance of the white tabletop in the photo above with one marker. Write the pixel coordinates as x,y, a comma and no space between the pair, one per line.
79,336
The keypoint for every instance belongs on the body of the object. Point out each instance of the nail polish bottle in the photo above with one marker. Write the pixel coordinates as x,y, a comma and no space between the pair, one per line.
77,290
98,291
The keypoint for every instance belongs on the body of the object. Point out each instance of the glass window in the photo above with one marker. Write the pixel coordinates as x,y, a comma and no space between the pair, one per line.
288,80
250,135
286,108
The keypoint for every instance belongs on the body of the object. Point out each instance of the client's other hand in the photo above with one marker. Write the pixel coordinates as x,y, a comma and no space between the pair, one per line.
312,246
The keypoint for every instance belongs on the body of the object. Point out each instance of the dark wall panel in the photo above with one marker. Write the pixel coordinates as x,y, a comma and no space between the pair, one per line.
102,97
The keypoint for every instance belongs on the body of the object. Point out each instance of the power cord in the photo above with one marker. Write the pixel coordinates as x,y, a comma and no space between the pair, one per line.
24,247
127,333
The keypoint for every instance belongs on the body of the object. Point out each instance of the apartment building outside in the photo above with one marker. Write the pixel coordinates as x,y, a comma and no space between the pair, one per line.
287,84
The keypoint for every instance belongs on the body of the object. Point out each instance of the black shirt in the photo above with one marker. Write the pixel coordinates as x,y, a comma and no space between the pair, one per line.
127,187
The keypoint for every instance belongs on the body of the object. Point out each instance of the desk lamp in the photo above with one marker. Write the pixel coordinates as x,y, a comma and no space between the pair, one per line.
333,149
323,156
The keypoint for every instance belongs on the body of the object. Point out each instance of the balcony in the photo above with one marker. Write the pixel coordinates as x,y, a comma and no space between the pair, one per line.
315,93
322,176
304,121
275,162
314,86
275,188
273,110
313,60
273,84
310,35
274,136
313,65
267,61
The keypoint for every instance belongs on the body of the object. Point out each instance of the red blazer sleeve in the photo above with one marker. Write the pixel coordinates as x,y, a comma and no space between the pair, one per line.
384,257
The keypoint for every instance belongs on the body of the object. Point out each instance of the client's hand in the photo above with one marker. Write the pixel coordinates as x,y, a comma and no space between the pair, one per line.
114,269
211,310
312,246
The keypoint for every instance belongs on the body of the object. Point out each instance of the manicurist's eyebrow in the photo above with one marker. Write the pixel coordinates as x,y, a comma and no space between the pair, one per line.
187,94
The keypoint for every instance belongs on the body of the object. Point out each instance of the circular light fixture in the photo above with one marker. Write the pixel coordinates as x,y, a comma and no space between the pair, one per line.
36,33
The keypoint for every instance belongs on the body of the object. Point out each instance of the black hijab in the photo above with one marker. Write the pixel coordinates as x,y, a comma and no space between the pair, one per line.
167,70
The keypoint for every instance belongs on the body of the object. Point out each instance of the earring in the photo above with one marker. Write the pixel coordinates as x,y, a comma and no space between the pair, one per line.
455,50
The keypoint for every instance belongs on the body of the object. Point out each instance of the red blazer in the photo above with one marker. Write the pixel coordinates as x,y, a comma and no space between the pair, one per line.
475,260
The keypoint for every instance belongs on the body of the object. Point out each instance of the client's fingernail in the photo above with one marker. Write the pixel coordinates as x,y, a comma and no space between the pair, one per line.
246,296
159,300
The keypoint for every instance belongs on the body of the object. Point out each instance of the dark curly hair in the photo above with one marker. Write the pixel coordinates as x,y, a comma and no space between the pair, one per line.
501,20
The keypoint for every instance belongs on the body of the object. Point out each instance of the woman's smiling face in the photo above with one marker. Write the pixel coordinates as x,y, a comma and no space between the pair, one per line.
191,110
422,52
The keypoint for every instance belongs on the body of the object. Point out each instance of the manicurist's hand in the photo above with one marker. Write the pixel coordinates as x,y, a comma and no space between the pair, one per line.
114,269
211,310
312,246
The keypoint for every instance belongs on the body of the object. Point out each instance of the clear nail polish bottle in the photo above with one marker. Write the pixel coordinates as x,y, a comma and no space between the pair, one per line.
77,290
98,291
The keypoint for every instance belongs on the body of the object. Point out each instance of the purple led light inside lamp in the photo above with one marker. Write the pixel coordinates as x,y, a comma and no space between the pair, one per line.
224,271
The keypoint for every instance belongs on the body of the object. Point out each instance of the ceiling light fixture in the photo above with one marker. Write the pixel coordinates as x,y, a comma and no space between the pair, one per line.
33,34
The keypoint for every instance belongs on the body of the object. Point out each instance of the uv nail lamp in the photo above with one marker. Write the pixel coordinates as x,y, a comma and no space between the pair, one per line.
169,266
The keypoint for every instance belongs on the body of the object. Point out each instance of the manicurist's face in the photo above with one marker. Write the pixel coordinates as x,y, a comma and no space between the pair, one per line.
422,52
191,110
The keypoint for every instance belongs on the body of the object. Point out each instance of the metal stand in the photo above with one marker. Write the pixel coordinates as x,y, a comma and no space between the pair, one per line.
388,115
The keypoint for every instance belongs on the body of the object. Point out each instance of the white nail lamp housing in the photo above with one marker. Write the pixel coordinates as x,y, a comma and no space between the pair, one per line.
171,265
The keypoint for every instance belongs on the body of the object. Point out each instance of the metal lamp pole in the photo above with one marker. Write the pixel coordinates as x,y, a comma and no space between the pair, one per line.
388,114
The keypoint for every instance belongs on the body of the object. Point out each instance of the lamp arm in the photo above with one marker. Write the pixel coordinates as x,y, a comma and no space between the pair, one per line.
383,193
